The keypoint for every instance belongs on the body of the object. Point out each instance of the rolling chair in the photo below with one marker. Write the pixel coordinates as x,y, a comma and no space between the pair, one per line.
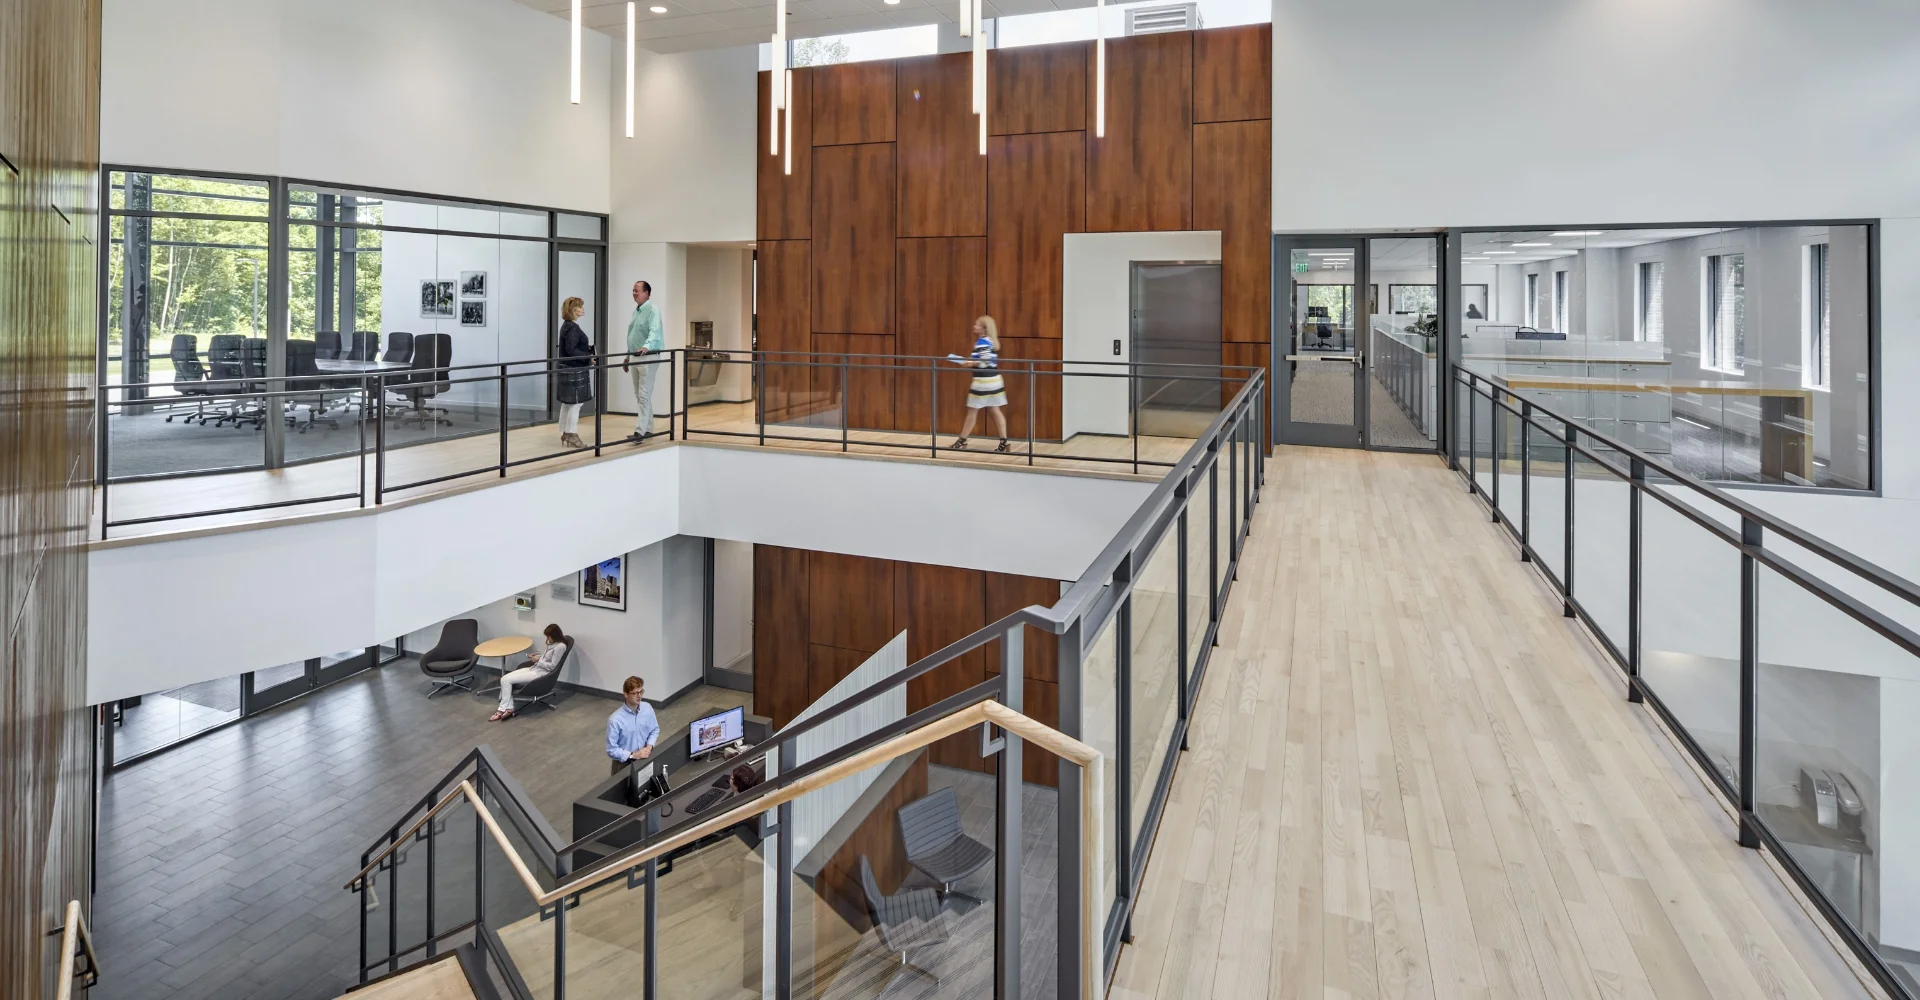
225,363
908,920
936,845
326,344
253,374
189,376
432,352
450,663
399,347
300,355
538,690
366,344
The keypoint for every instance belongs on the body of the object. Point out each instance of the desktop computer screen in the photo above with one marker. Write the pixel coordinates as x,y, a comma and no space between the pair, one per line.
716,731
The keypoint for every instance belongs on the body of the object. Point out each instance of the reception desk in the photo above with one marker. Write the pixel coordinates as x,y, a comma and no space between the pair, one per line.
607,801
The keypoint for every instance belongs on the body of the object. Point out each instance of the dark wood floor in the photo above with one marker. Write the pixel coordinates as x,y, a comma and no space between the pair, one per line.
221,861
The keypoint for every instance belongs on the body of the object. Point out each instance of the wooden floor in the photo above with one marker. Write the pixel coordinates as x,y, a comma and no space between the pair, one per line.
1410,777
441,980
301,486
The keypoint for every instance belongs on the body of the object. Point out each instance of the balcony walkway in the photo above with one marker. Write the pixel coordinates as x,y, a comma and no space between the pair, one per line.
1410,777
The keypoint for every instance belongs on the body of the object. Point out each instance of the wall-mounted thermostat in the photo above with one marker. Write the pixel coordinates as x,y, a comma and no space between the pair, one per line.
523,602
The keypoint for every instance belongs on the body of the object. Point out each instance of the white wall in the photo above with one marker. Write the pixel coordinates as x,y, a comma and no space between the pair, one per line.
441,558
656,638
688,175
732,604
663,266
1718,110
1097,295
451,97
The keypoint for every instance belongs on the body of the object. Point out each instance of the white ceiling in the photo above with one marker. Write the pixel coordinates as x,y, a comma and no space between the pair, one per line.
1477,244
716,24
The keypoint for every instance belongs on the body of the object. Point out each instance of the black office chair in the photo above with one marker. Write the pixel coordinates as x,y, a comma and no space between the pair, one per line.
399,347
432,353
366,345
935,843
226,367
326,344
451,662
538,690
300,355
189,376
907,921
253,374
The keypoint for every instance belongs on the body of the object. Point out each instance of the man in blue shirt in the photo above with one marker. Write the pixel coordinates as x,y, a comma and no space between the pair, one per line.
632,728
644,336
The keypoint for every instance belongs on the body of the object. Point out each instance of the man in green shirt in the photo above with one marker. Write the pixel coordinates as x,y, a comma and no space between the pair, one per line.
644,336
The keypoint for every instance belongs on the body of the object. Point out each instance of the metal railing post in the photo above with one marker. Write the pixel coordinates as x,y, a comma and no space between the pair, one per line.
1750,538
379,438
1010,783
651,988
1566,565
432,842
105,430
1635,486
676,363
1183,696
1493,452
503,421
1526,482
600,404
1133,415
1033,389
360,426
933,419
1473,440
846,402
783,890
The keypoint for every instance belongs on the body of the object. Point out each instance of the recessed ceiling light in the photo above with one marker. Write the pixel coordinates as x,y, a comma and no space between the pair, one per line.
893,3
658,10
1496,251
1580,232
1531,244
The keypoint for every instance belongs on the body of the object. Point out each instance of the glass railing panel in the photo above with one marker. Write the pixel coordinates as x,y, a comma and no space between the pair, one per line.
1483,438
509,910
1504,456
713,941
1223,521
1602,547
1039,874
377,909
1153,665
1836,700
455,857
407,898
1100,724
1198,528
1690,630
1544,483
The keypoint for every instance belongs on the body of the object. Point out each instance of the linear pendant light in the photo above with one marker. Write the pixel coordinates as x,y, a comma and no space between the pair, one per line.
1100,69
980,69
966,17
631,14
576,51
789,114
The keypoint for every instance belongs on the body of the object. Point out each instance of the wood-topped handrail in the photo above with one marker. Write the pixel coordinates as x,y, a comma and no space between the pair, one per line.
75,939
1053,741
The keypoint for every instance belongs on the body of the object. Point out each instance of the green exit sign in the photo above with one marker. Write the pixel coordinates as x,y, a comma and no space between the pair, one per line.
1300,262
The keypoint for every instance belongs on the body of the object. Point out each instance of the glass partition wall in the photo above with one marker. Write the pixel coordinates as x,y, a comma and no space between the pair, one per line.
215,285
1739,353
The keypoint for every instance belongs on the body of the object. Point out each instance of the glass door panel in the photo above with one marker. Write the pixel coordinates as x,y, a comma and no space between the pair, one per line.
1318,398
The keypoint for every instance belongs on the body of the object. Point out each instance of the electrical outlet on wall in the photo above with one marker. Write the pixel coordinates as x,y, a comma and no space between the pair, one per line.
1116,348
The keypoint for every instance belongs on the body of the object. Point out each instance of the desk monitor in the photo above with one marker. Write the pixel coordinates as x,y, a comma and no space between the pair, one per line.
716,731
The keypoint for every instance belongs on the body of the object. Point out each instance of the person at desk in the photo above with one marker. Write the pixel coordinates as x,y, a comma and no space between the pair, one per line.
632,728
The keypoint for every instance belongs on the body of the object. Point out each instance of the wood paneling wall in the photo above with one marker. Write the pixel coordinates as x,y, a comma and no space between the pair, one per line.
49,136
818,615
906,232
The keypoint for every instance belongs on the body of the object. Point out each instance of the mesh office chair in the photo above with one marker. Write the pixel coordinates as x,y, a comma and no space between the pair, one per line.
326,344
908,920
225,354
300,355
936,845
450,663
189,376
366,345
399,347
432,353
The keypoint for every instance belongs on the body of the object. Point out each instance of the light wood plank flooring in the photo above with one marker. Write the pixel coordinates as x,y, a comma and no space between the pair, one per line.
1410,777
715,423
441,980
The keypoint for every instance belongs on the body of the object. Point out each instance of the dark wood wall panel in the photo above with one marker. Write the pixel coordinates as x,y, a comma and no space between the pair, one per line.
783,208
780,627
853,238
826,665
1140,176
943,288
850,601
1233,74
1250,355
869,389
1232,185
941,605
1038,88
1035,195
49,134
1039,383
852,102
1007,593
785,295
943,177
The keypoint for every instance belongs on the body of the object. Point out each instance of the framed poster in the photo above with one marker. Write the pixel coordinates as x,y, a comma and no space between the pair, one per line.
436,299
1473,302
604,584
473,284
473,314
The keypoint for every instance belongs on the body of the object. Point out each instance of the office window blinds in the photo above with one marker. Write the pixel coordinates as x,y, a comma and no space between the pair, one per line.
1560,302
1726,320
1533,301
1817,350
1650,323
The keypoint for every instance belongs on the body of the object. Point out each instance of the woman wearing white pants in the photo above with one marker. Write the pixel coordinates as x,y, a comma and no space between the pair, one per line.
573,380
543,663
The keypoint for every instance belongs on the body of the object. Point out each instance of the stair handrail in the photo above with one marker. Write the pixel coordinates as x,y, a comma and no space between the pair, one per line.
810,778
75,942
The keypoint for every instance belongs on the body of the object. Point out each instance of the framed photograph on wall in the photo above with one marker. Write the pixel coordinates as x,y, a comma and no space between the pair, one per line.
604,584
1473,302
473,284
436,299
473,314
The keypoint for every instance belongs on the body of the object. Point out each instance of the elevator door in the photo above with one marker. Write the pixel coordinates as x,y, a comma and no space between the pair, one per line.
1176,347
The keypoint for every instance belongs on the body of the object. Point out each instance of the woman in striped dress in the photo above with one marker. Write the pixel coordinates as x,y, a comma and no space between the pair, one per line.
988,390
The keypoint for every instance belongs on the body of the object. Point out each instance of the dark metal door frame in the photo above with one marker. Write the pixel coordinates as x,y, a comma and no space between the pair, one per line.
1285,430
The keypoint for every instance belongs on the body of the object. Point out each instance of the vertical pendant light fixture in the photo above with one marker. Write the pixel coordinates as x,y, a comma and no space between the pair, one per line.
789,160
576,51
1100,69
966,18
779,80
630,16
974,16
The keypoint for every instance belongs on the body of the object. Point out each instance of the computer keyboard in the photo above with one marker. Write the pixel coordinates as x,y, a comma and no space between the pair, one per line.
706,800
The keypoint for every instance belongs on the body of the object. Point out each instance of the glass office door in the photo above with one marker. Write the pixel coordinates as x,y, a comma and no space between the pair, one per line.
1319,396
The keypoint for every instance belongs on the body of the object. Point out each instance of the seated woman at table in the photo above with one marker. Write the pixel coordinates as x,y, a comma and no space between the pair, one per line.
541,664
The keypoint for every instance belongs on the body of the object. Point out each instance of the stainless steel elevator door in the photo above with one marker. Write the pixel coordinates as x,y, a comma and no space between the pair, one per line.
1176,347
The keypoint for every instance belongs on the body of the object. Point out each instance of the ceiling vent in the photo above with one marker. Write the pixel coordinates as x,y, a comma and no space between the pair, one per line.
1166,17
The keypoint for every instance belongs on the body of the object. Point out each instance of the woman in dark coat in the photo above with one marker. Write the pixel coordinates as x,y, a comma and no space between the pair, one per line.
573,383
